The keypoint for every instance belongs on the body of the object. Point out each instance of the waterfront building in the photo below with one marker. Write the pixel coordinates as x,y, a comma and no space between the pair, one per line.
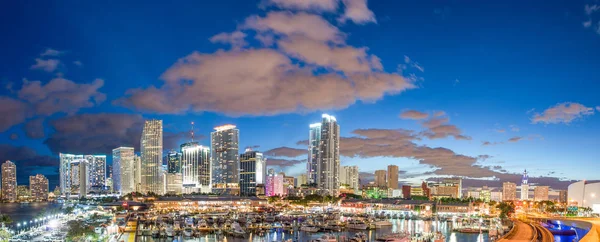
9,181
195,168
349,176
525,187
585,194
540,193
447,187
39,187
275,184
252,172
97,171
174,162
174,183
380,180
23,193
152,153
509,191
123,170
392,177
109,185
224,143
323,166
301,180
416,191
562,196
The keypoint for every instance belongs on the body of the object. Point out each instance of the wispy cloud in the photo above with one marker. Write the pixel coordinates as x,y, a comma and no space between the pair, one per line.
562,113
48,65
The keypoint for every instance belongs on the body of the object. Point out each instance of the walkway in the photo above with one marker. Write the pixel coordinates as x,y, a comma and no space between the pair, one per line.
522,232
594,234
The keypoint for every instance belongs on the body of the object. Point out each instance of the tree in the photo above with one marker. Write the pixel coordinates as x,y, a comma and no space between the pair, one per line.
5,219
506,209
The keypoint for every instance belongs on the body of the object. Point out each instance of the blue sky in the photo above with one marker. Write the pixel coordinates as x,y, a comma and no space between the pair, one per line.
490,66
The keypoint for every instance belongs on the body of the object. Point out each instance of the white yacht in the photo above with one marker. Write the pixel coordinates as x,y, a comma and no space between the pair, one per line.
237,230
188,232
357,225
309,228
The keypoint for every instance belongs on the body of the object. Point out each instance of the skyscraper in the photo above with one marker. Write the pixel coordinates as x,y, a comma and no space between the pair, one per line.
151,154
349,176
275,185
80,177
380,180
174,162
392,176
97,170
65,174
301,180
509,191
252,172
123,170
9,181
540,193
195,168
38,185
225,159
323,166
562,196
137,173
525,187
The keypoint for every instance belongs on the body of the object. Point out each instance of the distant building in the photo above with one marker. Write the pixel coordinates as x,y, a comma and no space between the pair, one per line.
301,180
174,183
195,168
509,191
540,193
275,184
416,191
426,190
525,187
39,187
23,193
349,175
288,181
137,173
324,155
485,194
252,172
496,196
174,162
562,196
97,171
585,194
9,181
392,177
151,150
123,170
406,190
225,158
380,179
448,187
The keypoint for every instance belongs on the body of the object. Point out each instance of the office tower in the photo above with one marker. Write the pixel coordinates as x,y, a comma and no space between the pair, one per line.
174,162
137,173
406,191
9,181
392,176
174,183
225,159
252,172
509,191
195,168
109,184
349,176
275,184
562,196
301,180
97,170
380,180
39,187
80,177
448,187
65,173
123,170
540,193
151,153
323,167
525,187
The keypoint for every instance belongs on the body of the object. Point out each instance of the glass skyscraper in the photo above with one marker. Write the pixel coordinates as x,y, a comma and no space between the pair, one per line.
151,153
252,172
9,181
123,170
324,157
314,143
195,168
174,161
225,159
97,170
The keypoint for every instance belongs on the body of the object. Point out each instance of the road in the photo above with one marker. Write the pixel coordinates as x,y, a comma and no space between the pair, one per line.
522,233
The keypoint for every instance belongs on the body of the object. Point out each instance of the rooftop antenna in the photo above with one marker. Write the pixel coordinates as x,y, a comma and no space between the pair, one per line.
192,131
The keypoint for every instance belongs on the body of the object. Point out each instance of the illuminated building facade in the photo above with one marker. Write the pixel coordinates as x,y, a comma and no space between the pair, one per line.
151,153
540,193
525,187
225,159
195,168
174,183
275,184
252,172
123,170
97,170
38,185
349,176
447,187
9,181
324,158
174,162
392,177
509,191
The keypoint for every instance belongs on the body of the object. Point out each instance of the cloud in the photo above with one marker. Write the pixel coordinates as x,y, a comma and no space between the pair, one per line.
51,52
283,162
296,24
515,139
316,5
34,129
358,12
500,130
78,63
13,112
438,127
286,152
592,22
413,114
562,113
235,39
488,143
48,65
99,133
29,163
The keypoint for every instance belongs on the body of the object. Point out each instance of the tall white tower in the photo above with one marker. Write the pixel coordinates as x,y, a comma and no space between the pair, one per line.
525,187
151,154
324,156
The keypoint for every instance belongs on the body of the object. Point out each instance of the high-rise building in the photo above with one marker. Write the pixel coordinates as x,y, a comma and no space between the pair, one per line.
314,145
540,193
392,176
9,181
323,155
39,187
97,170
151,153
301,180
525,187
496,196
252,172
137,173
174,162
123,170
195,168
275,184
23,193
509,191
65,173
225,159
380,178
562,196
174,183
349,176
406,191
80,177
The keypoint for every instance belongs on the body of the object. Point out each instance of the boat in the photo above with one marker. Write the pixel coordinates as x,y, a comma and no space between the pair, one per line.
333,226
359,237
382,223
395,237
357,225
237,230
203,225
468,230
309,228
188,232
325,238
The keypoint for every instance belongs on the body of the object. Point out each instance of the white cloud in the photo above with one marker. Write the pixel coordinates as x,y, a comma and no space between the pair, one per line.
235,39
51,52
562,113
358,12
49,65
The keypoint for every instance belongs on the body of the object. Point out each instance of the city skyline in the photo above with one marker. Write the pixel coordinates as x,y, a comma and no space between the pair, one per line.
434,109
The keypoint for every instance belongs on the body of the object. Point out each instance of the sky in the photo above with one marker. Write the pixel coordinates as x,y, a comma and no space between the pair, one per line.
477,89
